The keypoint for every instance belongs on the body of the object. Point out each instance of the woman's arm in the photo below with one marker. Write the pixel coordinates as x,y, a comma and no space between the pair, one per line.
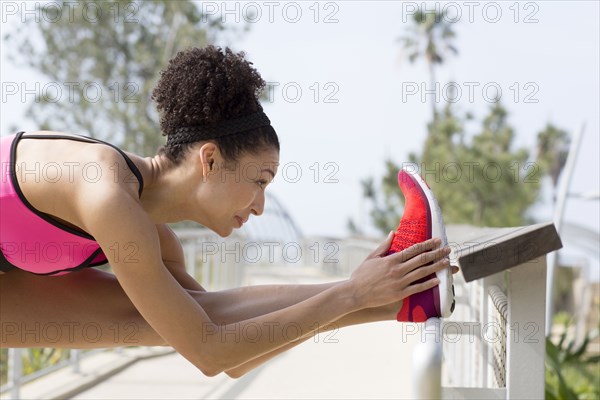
132,245
241,303
174,259
181,321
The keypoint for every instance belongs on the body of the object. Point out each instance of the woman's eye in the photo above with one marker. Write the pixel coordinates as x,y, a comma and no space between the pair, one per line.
261,184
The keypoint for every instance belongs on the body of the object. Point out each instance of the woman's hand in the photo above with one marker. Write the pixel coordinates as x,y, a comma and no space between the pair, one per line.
383,279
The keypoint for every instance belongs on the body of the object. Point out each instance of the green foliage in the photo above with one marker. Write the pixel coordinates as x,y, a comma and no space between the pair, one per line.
108,65
430,36
3,366
563,294
571,373
387,200
33,359
478,179
482,181
553,148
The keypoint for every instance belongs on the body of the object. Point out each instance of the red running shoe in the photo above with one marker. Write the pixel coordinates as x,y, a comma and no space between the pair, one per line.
421,221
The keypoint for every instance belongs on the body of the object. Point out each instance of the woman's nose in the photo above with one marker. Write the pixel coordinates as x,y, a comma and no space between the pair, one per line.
258,206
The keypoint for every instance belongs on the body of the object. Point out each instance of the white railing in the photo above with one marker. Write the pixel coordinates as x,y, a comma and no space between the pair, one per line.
494,343
342,256
16,378
493,346
427,362
216,262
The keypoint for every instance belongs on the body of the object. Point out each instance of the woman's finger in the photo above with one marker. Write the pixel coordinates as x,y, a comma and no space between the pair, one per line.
420,287
415,250
423,259
384,247
422,272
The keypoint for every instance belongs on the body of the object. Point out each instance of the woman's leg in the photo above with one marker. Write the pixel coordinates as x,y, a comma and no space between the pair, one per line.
88,309
360,317
234,305
84,309
230,306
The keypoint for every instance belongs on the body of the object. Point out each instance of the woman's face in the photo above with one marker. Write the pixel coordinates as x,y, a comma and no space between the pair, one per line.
235,190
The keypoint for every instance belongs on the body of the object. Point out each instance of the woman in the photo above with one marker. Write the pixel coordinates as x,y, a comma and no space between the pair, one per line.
70,203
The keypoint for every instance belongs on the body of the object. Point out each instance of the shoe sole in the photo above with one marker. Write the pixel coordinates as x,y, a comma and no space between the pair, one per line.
444,292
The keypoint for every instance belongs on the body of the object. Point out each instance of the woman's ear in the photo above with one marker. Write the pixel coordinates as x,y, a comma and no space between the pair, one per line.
209,158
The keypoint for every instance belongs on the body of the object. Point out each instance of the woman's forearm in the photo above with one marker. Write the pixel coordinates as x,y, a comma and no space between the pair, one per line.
229,343
239,304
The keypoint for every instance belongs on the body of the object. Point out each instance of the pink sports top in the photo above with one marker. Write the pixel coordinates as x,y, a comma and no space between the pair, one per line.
32,240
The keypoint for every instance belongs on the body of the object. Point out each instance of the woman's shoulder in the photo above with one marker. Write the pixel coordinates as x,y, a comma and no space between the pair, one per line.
64,174
79,158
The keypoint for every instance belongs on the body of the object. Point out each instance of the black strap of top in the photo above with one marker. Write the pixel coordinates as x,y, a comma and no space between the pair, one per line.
5,266
134,169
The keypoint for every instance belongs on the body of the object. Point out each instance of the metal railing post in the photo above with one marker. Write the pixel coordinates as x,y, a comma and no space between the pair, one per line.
15,371
427,363
559,209
75,358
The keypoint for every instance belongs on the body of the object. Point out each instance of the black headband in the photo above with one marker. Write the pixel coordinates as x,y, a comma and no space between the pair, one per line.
190,134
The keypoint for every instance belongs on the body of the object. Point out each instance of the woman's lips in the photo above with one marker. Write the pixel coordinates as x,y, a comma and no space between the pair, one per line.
240,221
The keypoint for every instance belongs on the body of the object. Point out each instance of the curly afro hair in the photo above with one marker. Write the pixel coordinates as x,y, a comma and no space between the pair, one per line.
205,86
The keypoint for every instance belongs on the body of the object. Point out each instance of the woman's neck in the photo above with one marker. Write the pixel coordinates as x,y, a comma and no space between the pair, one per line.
166,196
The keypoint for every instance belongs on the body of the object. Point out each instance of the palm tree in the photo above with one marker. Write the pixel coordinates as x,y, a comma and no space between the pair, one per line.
429,37
552,150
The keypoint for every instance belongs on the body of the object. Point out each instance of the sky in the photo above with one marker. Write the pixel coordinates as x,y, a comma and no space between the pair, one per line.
345,98
545,64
